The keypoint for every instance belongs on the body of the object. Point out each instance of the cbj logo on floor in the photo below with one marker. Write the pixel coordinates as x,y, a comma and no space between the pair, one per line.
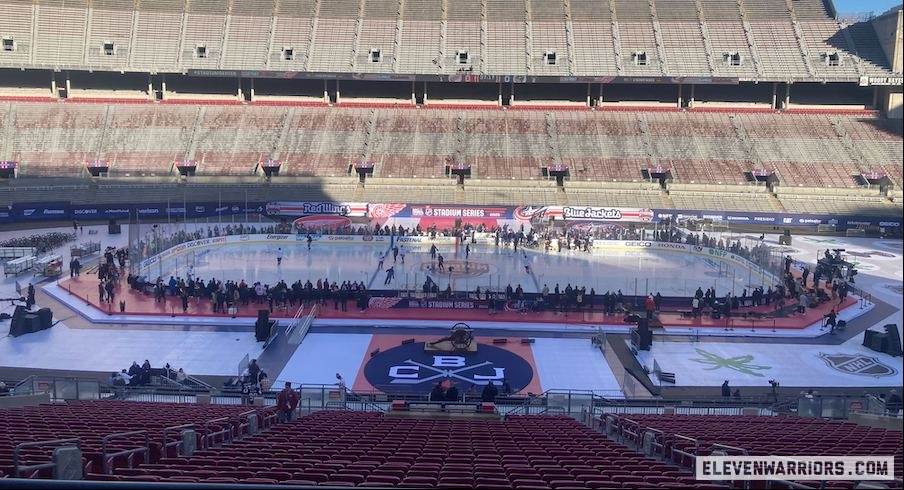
409,369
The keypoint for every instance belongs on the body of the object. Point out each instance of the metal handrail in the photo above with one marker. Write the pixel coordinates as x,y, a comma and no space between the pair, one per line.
29,381
658,440
246,416
726,446
18,470
108,457
176,443
226,432
691,456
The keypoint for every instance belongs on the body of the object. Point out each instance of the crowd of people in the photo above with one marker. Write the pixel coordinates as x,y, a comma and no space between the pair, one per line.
142,375
443,393
227,296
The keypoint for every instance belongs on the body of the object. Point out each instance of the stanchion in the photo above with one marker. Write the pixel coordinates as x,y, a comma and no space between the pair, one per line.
773,325
173,311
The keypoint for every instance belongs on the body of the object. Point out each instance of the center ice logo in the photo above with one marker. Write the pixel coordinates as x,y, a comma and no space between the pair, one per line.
409,368
460,268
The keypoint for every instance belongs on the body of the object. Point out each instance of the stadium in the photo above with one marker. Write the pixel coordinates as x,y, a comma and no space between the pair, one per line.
450,244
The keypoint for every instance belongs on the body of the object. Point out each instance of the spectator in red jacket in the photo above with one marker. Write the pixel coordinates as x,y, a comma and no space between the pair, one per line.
286,402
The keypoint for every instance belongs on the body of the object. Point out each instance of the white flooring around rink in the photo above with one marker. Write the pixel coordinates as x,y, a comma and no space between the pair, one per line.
208,351
322,355
795,364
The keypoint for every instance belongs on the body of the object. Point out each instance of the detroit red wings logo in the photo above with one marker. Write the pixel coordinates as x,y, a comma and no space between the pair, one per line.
381,302
380,211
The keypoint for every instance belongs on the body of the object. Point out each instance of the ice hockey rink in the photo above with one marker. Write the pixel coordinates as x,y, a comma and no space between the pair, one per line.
216,348
486,266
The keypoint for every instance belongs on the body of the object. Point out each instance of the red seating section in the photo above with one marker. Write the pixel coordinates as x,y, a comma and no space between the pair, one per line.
370,449
91,421
783,436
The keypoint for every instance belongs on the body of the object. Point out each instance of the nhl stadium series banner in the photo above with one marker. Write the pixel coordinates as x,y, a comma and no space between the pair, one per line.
319,214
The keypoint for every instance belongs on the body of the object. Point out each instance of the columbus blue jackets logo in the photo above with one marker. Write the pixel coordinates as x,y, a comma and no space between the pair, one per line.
410,369
857,364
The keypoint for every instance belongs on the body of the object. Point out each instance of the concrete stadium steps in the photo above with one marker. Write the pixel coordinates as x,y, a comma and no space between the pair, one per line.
501,37
728,37
333,44
420,46
725,201
109,25
685,52
376,34
158,36
868,48
810,174
16,22
145,139
825,37
444,191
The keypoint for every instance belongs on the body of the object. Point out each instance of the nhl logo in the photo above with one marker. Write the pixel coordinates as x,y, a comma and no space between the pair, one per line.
857,364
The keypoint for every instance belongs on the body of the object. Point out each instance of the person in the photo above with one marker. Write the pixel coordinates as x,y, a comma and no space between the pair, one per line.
30,296
489,393
119,386
439,262
181,377
263,382
340,381
893,402
726,390
737,394
247,394
4,390
286,402
279,256
506,387
452,394
309,241
695,305
650,306
125,377
253,371
830,317
380,262
467,251
438,393
390,273
471,394
146,372
395,254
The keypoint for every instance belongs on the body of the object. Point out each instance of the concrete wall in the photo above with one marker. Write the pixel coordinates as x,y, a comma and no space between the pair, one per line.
888,30
881,421
894,103
24,400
